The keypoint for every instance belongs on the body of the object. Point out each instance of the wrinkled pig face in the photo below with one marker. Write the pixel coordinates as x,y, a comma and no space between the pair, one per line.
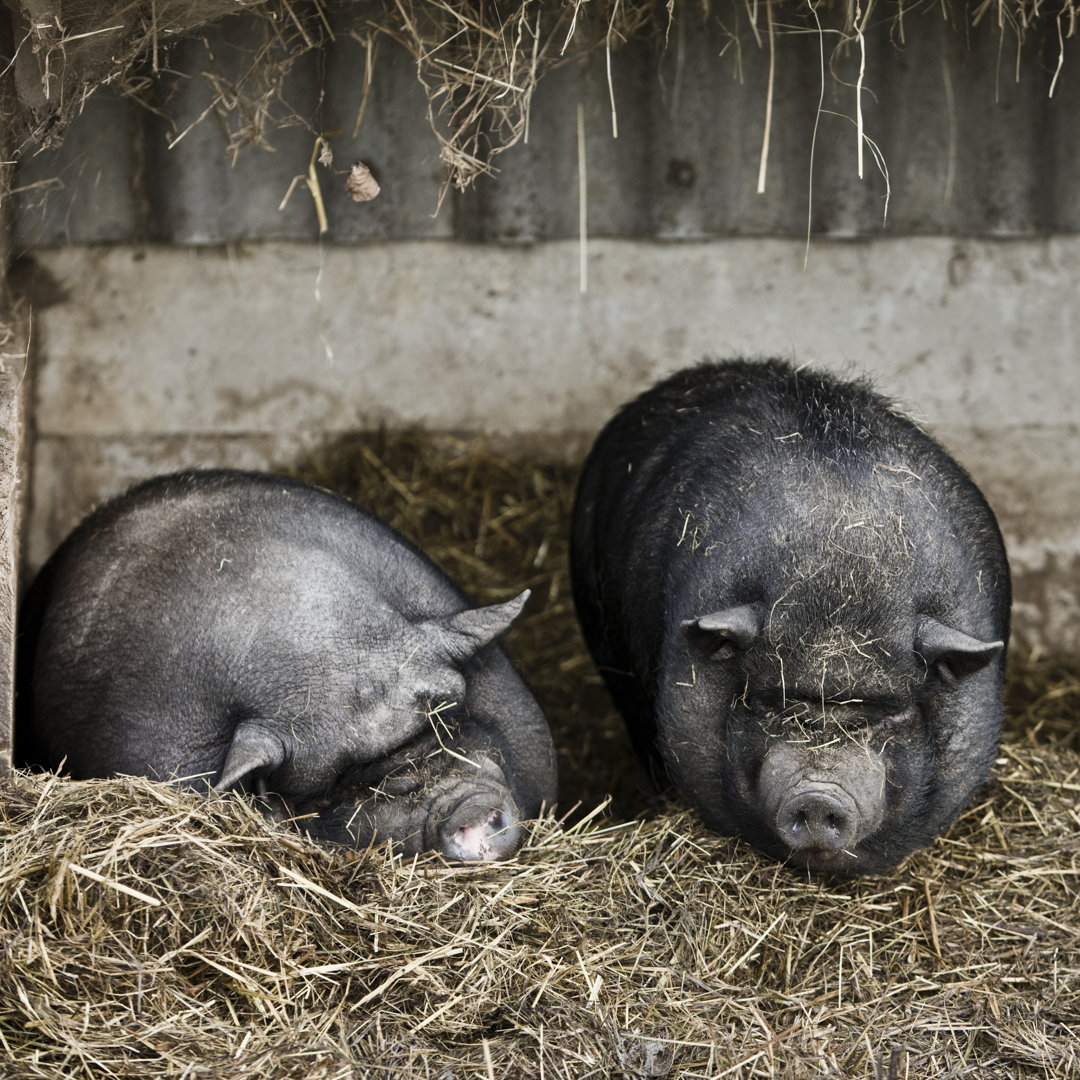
816,785
418,689
432,799
826,757
386,765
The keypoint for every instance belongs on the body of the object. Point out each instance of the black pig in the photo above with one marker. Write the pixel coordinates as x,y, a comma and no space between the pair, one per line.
800,603
242,630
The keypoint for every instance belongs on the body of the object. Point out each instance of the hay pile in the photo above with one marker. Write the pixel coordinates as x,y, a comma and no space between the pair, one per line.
148,932
479,62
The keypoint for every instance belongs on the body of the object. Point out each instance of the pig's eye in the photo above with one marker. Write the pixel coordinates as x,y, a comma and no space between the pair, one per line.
442,711
945,673
724,650
894,717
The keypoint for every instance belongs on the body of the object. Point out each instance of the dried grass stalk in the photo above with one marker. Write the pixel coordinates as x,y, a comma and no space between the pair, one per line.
478,61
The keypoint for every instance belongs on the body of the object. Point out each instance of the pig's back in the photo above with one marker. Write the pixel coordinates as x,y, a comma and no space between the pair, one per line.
181,597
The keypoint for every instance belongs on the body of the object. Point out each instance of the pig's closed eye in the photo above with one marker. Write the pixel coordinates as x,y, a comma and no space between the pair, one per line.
944,673
439,707
724,650
895,717
875,713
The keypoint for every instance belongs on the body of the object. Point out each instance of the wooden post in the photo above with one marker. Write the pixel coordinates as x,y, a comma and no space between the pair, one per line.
13,366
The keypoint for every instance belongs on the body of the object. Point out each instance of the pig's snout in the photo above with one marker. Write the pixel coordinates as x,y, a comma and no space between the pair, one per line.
478,831
822,803
473,818
818,818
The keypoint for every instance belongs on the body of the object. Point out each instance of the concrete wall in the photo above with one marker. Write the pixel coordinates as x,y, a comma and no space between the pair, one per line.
155,358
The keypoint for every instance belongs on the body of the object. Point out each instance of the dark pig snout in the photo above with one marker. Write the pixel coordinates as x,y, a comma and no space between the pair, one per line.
818,818
822,802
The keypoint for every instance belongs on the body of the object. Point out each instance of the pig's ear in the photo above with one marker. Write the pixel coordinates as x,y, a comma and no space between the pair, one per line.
958,653
466,633
254,751
724,633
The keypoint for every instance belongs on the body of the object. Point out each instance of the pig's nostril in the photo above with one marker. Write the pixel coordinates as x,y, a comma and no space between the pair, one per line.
817,820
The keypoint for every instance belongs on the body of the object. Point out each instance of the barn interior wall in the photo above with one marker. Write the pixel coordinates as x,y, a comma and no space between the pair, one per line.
153,358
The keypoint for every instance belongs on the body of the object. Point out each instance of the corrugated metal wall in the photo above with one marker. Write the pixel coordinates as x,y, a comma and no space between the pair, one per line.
970,149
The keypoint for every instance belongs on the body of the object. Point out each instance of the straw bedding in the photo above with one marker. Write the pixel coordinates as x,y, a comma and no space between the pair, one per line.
153,933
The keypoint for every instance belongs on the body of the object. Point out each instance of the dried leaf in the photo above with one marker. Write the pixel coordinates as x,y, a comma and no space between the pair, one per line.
360,185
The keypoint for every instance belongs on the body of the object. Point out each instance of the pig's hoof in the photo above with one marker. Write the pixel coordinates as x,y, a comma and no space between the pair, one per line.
818,821
477,832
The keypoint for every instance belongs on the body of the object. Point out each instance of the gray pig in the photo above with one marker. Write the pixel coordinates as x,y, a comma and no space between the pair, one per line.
247,631
800,604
